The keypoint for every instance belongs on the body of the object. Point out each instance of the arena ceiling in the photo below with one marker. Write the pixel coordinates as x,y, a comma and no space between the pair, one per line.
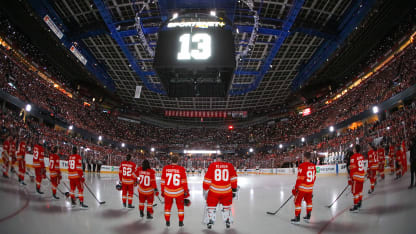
292,42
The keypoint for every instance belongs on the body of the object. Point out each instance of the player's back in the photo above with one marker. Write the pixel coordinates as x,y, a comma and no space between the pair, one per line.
380,154
37,155
147,181
306,176
220,178
174,180
127,169
74,166
357,167
372,159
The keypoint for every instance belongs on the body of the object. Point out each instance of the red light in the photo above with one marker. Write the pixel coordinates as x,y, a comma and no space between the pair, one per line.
230,127
306,112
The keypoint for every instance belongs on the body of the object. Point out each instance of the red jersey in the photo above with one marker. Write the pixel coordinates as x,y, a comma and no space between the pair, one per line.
38,154
380,155
372,160
12,150
21,151
147,181
220,178
6,148
54,169
75,167
126,172
357,172
399,157
391,151
173,182
404,156
306,177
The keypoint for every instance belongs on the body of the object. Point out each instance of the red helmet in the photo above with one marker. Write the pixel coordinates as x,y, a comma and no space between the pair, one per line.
187,202
118,187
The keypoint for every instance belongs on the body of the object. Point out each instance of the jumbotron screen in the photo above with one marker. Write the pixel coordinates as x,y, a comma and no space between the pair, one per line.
195,48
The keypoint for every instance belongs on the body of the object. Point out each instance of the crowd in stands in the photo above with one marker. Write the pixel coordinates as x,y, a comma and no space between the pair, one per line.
18,81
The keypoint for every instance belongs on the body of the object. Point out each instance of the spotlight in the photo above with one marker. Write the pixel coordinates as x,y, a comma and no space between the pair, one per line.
28,108
303,139
375,109
331,129
123,145
251,150
70,127
175,15
213,13
152,149
100,138
280,146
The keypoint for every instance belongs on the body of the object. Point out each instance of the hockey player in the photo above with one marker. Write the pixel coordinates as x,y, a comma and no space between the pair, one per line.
381,161
391,157
399,162
147,188
356,178
76,177
12,153
220,186
39,165
303,189
174,185
54,170
5,156
404,158
127,178
20,157
372,166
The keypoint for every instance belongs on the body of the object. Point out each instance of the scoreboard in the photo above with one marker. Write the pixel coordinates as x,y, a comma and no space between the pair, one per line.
195,58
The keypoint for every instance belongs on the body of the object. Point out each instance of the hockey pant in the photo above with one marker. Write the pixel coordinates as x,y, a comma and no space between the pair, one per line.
179,204
142,200
76,184
226,200
13,162
300,196
381,170
373,177
22,169
38,176
54,184
127,193
357,191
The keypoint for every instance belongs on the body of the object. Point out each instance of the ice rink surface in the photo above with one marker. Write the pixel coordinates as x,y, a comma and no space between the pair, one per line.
390,209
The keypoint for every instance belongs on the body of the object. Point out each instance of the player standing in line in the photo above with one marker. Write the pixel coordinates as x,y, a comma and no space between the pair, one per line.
220,186
5,156
76,177
372,166
174,185
54,170
20,157
39,164
128,180
303,189
381,161
404,158
357,176
399,162
12,153
147,188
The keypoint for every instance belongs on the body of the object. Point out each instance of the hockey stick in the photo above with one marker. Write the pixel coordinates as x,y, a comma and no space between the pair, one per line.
329,206
162,202
99,202
274,213
138,197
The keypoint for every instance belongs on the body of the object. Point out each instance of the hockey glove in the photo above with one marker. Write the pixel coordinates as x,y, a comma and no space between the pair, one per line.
82,179
162,194
234,192
156,192
294,191
350,182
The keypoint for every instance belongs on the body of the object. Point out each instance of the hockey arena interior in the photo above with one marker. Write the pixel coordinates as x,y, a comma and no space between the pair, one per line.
207,116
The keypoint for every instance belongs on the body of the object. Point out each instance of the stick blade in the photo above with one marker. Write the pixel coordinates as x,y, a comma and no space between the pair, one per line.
270,213
103,202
